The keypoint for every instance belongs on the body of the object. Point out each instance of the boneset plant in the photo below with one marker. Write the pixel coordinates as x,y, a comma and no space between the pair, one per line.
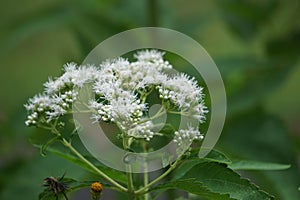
124,93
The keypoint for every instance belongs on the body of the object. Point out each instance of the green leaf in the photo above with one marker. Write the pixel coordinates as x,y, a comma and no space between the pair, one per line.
258,135
256,165
44,147
220,179
213,156
116,175
185,167
47,194
166,159
217,156
192,186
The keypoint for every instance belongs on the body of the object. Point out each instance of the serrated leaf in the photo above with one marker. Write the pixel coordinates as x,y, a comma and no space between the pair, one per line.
256,165
213,156
220,179
217,156
194,187
185,167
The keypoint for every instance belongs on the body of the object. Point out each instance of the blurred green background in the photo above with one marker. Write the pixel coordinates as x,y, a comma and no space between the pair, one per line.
255,44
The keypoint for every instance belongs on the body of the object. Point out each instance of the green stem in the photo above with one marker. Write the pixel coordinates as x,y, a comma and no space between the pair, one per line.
146,179
130,185
146,176
44,127
158,114
146,187
178,113
81,111
145,94
68,145
130,182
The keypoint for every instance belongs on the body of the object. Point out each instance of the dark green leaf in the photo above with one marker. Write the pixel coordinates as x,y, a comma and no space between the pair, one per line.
256,135
214,156
194,187
47,194
116,175
217,156
256,165
185,167
44,147
220,179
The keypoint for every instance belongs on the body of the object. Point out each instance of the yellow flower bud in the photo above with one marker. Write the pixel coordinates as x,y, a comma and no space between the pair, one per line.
96,189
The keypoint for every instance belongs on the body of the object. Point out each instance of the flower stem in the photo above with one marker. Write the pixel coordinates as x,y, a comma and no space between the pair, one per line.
130,183
68,145
144,189
146,177
159,113
178,113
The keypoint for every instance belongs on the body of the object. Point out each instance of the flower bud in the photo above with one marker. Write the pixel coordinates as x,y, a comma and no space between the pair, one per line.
96,189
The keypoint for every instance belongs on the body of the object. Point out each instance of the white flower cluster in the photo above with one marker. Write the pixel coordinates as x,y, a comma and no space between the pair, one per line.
185,93
187,135
184,138
59,94
121,88
142,131
74,76
44,108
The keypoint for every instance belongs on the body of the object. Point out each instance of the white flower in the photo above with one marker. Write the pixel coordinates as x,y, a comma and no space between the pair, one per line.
103,112
44,106
185,93
121,91
122,105
185,137
149,55
48,107
36,105
74,76
142,131
182,90
38,102
198,111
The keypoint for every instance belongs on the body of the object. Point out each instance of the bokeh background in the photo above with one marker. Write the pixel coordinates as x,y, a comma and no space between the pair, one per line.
255,44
